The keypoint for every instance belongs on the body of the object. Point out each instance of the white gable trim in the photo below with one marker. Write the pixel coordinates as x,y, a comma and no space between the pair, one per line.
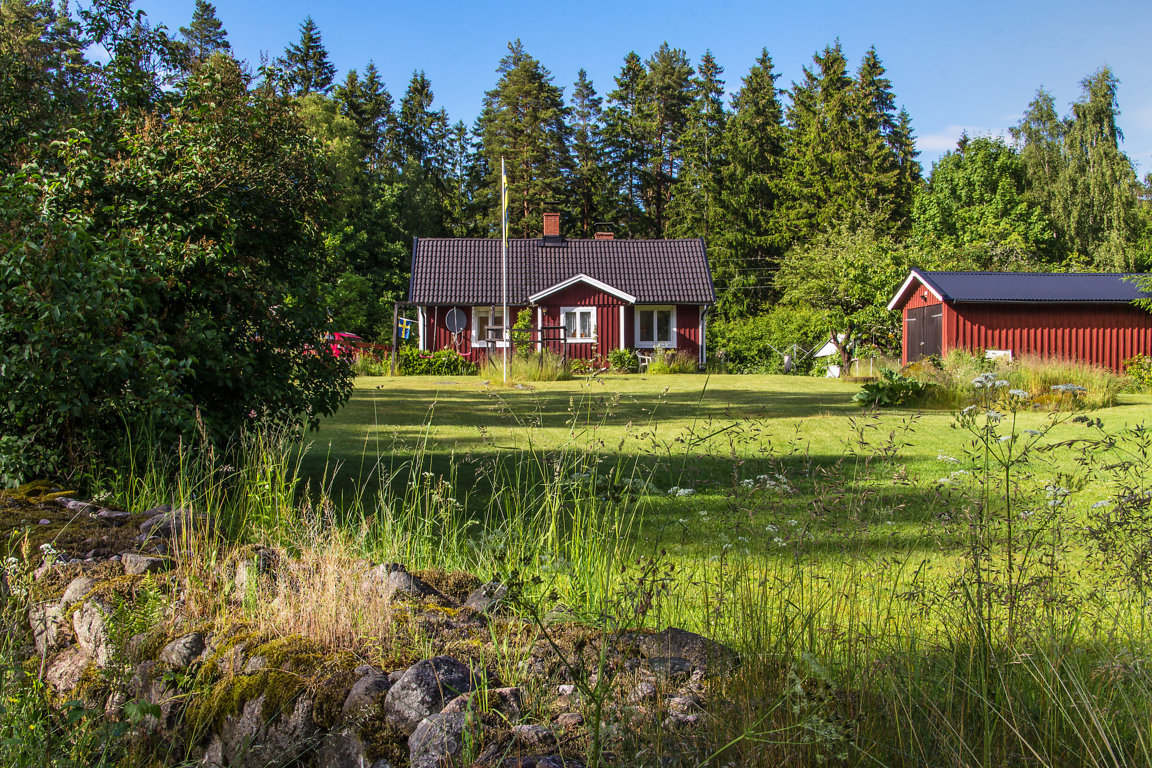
582,278
915,276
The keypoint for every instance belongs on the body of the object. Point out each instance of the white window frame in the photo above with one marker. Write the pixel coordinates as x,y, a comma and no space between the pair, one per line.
671,342
591,311
494,317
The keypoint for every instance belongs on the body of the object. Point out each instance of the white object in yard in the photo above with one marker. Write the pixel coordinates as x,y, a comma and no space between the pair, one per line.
833,372
998,354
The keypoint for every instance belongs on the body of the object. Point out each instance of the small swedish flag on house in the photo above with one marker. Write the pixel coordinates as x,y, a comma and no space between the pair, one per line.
405,326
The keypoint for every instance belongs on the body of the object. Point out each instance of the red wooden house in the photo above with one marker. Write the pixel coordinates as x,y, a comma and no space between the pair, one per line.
1073,316
589,296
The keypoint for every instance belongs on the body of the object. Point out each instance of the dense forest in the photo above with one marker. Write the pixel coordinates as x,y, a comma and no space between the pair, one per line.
185,219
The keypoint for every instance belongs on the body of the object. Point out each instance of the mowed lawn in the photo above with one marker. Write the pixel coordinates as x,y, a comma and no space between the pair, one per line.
713,435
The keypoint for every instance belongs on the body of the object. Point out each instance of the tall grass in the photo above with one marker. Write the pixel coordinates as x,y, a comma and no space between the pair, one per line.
996,639
542,365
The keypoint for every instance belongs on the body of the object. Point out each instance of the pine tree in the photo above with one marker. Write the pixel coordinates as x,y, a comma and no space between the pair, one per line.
205,34
626,145
524,122
695,207
306,65
667,95
587,182
755,231
885,205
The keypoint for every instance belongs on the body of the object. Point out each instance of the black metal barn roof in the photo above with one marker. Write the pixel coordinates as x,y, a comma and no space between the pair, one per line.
1025,287
467,271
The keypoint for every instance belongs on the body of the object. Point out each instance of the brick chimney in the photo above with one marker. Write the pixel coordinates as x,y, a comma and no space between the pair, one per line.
604,236
551,225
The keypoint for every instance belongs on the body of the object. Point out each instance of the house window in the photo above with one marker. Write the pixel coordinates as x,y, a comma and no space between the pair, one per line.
655,326
579,323
484,318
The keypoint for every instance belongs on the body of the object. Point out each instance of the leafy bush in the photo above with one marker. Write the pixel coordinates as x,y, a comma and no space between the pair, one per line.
369,364
520,335
1139,370
892,389
758,344
623,361
672,361
444,362
580,366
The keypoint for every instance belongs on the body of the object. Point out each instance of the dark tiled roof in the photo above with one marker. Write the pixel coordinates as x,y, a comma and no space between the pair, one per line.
468,270
1033,287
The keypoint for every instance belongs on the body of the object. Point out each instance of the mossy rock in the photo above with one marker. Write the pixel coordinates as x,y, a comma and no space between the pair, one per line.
75,534
456,585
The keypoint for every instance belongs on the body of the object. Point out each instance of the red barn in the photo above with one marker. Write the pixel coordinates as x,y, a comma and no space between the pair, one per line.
1073,316
590,296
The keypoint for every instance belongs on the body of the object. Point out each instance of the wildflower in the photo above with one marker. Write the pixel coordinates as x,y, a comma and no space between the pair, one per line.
1001,383
1004,438
1032,432
1020,393
779,542
685,491
771,528
1101,503
993,416
946,457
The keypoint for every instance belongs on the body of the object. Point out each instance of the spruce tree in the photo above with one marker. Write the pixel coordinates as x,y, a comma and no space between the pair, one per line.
524,122
369,105
755,231
306,65
626,145
695,207
205,34
667,95
884,205
421,131
587,182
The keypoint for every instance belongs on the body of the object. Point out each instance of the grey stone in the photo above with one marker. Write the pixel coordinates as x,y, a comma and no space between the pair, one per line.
424,689
173,524
50,630
396,584
90,623
76,590
702,653
181,652
113,517
44,521
366,669
506,701
162,509
150,684
66,668
533,736
260,737
487,597
75,505
672,668
644,691
137,565
570,720
438,741
365,694
343,749
395,675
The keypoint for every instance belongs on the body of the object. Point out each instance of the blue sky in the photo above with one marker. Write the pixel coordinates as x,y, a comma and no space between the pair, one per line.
954,66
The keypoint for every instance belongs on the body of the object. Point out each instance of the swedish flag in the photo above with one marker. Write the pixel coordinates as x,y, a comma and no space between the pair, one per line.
405,326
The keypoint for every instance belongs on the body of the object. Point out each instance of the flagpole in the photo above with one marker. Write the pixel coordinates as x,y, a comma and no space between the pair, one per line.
504,259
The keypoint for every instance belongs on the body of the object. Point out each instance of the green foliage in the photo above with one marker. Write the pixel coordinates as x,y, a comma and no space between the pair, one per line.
758,344
892,389
623,361
580,367
306,68
205,35
520,335
1139,369
672,361
974,211
851,276
544,365
445,362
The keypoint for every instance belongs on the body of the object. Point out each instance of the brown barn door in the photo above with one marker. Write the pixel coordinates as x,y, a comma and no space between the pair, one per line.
924,327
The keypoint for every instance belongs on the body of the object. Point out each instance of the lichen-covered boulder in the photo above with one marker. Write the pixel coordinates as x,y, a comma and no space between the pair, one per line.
366,693
138,565
438,741
392,582
487,597
50,630
424,689
90,622
65,670
704,654
262,736
181,652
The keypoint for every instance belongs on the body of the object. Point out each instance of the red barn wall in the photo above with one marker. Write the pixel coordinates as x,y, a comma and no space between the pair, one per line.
439,337
607,320
688,329
1101,334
